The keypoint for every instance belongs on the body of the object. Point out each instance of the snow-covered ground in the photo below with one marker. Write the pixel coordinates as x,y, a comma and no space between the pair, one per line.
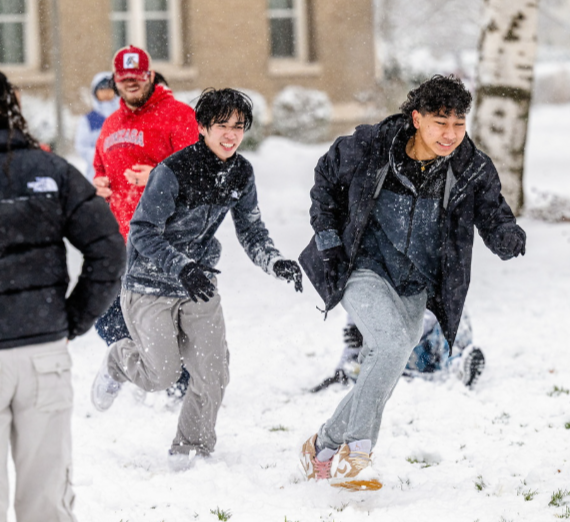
497,453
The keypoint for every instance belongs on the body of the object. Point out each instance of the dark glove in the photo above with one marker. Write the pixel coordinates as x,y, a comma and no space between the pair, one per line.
195,281
289,271
335,263
352,337
512,243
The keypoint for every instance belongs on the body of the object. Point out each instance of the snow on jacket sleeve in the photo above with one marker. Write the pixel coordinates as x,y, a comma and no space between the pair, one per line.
329,195
92,229
493,216
156,205
251,231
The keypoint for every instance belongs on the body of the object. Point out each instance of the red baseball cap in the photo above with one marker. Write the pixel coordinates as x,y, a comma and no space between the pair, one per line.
131,62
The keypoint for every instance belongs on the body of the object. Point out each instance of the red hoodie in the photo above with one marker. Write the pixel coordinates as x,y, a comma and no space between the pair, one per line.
145,136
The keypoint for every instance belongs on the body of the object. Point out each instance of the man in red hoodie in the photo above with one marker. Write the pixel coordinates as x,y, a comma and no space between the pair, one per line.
149,126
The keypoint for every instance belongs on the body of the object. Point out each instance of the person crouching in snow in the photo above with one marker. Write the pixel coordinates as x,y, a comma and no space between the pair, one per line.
169,298
394,208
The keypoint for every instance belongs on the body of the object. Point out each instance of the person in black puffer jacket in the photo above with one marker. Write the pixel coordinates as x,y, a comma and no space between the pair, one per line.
394,210
44,199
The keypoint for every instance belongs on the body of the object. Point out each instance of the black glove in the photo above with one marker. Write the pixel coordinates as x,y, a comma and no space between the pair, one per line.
195,281
289,271
335,263
511,243
352,337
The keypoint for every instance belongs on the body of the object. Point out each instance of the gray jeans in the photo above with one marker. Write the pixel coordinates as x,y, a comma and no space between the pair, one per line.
167,331
391,326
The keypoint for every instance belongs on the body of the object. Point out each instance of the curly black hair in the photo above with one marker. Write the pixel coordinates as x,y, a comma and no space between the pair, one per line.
439,94
218,105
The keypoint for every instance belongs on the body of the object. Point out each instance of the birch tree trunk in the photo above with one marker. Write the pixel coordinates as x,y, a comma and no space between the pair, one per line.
507,50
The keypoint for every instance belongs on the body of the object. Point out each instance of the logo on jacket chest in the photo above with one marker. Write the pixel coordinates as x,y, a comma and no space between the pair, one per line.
131,136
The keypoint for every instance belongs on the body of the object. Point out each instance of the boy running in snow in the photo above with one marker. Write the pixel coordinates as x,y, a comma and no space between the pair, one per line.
394,207
169,297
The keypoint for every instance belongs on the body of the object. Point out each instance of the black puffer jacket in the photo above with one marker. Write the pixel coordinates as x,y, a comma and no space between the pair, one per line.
43,199
348,177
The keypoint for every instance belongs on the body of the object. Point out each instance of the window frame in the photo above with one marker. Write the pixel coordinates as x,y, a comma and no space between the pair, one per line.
135,17
300,18
31,40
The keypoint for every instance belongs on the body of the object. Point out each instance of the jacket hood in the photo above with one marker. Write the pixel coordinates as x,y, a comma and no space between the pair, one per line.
105,108
159,94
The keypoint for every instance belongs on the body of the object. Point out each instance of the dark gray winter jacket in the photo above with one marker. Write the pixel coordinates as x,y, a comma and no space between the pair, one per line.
44,199
185,201
350,176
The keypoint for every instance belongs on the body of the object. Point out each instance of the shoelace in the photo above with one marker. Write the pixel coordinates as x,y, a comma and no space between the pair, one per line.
322,469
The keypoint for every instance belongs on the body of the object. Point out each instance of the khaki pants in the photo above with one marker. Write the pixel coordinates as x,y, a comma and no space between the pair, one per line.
167,331
35,420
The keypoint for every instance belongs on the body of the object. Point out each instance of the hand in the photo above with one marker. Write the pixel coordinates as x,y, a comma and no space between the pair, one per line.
289,271
335,262
352,337
195,281
138,174
512,243
102,186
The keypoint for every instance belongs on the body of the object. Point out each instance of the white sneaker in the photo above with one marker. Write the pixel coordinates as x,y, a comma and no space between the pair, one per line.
351,468
178,462
105,389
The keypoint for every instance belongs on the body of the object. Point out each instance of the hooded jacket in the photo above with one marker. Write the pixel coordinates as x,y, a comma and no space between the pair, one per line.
187,198
145,136
43,199
349,178
89,126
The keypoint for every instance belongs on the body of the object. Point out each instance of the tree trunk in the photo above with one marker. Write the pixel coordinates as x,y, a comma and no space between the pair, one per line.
507,51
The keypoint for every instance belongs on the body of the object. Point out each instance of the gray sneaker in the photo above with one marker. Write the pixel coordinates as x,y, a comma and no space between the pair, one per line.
105,389
473,365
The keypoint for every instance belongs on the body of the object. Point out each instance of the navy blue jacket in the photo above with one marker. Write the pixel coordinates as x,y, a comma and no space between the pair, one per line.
185,201
349,178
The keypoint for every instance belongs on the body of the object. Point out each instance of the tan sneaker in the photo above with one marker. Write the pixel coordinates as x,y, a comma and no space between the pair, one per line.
352,470
313,467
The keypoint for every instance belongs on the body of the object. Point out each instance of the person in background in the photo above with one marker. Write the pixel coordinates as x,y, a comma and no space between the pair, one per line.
44,200
170,298
105,102
148,127
429,359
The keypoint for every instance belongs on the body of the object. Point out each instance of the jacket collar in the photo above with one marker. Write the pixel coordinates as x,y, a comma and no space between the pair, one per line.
18,141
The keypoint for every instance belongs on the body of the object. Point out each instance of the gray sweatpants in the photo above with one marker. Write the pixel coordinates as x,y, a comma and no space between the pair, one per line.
391,326
165,332
36,399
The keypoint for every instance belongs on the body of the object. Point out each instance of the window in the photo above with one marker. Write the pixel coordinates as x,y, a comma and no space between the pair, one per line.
13,28
288,29
150,24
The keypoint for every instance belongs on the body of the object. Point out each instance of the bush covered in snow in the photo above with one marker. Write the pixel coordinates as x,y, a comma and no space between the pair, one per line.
256,134
302,114
550,207
41,118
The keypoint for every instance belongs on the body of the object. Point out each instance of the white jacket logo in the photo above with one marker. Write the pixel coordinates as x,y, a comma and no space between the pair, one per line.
133,136
43,185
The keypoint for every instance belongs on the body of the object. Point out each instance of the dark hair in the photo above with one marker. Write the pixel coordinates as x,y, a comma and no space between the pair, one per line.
11,113
104,83
218,105
159,79
438,94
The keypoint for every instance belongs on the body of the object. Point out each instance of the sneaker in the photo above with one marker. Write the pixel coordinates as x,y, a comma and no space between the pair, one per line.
472,365
313,467
105,389
351,468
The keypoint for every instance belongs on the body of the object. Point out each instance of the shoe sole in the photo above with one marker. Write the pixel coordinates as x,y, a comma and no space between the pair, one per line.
358,485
